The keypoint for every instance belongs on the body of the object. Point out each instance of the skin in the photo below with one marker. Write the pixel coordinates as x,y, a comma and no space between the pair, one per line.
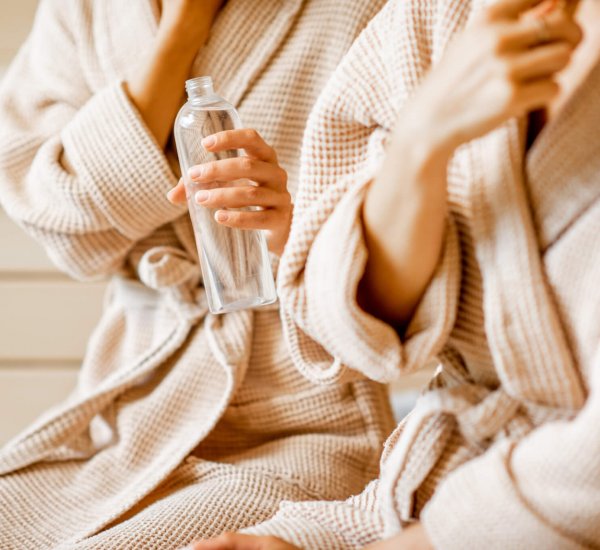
156,88
235,541
412,539
495,71
268,191
157,91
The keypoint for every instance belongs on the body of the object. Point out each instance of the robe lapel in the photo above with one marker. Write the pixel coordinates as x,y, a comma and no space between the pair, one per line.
522,324
239,48
562,186
237,51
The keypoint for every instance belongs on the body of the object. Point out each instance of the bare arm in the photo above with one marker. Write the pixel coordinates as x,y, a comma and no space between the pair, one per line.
504,66
157,87
404,226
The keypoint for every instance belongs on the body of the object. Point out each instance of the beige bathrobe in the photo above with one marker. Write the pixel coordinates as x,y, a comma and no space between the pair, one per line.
503,452
183,424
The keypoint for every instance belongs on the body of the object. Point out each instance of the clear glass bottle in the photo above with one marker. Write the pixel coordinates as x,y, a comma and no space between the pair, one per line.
235,263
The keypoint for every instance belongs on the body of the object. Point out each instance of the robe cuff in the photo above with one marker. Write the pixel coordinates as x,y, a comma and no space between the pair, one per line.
349,337
120,164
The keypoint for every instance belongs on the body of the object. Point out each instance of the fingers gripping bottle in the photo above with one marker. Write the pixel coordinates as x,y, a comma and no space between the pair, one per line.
235,263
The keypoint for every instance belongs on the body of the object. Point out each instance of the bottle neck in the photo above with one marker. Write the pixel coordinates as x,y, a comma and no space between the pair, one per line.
198,88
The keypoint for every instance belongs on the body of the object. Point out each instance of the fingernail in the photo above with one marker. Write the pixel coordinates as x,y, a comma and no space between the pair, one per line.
222,216
209,141
202,196
196,171
170,195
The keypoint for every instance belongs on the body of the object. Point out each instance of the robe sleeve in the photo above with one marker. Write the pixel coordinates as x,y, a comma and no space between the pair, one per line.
330,336
79,170
335,525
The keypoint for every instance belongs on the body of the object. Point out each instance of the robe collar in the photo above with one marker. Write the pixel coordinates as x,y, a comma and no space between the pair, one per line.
243,39
556,200
240,43
522,323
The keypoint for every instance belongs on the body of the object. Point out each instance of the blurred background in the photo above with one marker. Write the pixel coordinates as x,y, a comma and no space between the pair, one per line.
45,318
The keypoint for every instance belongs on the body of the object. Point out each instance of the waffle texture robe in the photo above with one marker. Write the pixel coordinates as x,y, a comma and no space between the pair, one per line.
502,451
183,424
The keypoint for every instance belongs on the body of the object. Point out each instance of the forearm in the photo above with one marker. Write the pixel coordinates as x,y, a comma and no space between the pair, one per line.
157,88
496,70
404,217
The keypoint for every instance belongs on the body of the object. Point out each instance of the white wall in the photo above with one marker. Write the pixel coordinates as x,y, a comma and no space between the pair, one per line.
45,318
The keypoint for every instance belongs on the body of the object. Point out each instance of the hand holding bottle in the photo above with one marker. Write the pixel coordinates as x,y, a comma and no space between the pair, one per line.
266,187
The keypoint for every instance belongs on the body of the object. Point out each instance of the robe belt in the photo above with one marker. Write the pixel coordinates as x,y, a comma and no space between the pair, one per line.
171,272
165,267
481,415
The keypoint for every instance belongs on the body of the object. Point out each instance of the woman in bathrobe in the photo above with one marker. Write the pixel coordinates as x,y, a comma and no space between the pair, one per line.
183,424
450,208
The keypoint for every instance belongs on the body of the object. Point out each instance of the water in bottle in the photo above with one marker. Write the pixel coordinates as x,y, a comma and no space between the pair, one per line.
235,263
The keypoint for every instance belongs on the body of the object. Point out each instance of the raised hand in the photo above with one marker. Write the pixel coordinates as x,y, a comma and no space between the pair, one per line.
258,181
503,66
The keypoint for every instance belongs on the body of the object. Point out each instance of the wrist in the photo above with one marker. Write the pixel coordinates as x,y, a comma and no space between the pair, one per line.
421,136
175,54
181,38
421,158
429,126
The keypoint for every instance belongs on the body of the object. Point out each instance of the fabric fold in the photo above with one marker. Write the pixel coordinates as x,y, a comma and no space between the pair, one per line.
331,314
176,412
338,525
108,160
506,428
486,483
331,337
